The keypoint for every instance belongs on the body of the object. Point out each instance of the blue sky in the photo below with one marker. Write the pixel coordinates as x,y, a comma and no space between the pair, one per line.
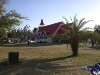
52,11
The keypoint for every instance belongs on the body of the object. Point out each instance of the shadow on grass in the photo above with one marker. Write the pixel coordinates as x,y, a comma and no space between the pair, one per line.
35,67
30,45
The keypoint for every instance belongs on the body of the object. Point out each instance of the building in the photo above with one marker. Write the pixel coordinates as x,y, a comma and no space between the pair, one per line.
46,32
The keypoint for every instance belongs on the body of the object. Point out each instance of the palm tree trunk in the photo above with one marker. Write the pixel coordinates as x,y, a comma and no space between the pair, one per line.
74,46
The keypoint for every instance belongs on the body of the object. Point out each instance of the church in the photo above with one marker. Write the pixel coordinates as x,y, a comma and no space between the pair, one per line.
45,33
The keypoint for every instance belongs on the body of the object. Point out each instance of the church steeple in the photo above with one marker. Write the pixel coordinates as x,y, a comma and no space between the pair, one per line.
42,23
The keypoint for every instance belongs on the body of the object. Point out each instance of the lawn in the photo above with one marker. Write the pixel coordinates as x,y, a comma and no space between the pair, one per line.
52,59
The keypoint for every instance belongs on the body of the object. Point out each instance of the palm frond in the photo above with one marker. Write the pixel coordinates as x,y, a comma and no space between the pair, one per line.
71,19
76,25
66,20
84,23
81,21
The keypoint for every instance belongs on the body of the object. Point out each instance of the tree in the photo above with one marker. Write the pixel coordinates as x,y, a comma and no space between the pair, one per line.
97,35
8,19
97,29
85,35
20,35
74,31
35,30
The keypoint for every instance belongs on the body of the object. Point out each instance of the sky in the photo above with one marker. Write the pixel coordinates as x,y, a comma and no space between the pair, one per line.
52,11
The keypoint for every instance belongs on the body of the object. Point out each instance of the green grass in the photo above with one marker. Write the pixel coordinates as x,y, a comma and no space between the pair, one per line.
51,59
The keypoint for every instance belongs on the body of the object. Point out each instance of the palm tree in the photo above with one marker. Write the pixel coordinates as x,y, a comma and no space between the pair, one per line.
74,30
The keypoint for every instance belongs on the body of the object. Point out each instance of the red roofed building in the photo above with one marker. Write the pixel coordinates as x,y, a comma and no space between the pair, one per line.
45,33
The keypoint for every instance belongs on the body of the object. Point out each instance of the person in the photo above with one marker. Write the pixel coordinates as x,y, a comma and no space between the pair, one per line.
92,41
89,42
28,42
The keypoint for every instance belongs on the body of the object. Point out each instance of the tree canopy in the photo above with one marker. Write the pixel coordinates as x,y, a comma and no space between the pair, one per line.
9,19
97,29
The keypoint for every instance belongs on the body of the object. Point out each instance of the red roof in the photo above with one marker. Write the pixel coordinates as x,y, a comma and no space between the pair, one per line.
50,29
61,31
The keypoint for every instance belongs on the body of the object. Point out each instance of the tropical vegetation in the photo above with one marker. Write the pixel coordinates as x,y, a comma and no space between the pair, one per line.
74,32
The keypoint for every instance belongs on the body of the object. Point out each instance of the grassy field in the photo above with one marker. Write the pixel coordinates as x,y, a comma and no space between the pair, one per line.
45,59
